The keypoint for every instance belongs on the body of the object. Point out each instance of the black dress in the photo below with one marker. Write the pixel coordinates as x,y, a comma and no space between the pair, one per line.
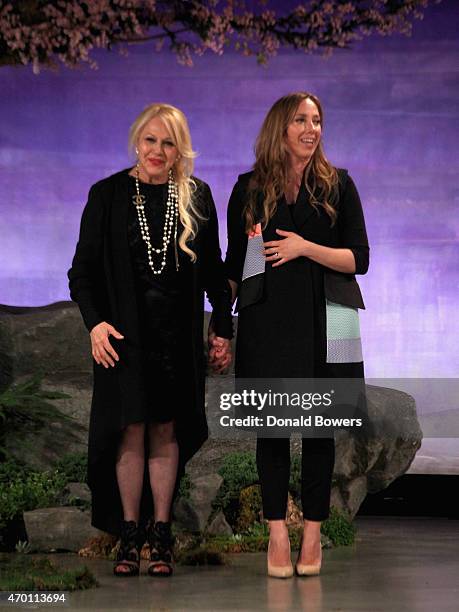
102,280
162,301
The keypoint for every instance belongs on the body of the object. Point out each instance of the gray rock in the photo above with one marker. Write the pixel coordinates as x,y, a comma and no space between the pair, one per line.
66,528
54,340
219,526
356,491
203,491
47,445
185,516
368,465
193,514
325,541
336,499
77,492
49,338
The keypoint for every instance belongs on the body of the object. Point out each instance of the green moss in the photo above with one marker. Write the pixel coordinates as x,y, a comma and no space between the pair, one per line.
339,528
23,573
210,549
201,556
185,486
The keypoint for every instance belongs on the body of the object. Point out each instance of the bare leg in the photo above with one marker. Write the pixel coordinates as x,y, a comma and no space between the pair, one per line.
278,543
311,552
130,464
162,465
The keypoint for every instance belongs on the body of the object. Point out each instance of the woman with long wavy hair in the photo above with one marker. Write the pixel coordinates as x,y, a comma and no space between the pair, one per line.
148,249
296,238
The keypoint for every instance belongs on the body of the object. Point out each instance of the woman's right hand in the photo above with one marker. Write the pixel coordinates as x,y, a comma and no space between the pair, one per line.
102,351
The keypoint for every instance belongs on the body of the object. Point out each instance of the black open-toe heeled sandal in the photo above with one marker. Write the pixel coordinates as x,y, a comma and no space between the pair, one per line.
160,541
132,538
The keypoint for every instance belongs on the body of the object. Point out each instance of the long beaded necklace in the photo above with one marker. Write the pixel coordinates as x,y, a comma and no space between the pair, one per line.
170,222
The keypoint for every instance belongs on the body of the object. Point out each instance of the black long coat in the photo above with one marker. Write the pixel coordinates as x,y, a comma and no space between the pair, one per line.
285,313
101,281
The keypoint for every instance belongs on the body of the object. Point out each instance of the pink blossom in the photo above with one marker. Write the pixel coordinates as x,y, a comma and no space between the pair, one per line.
68,31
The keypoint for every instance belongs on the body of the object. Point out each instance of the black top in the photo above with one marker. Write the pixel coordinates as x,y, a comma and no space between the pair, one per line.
171,281
282,329
291,208
103,240
348,232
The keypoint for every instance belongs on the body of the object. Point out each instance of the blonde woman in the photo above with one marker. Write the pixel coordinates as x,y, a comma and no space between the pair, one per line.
148,249
296,238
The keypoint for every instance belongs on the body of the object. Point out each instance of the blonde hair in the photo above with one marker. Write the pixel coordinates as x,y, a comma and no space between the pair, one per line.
272,162
177,125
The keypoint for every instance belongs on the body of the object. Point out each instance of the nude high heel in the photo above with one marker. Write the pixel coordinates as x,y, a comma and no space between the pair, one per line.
308,570
280,571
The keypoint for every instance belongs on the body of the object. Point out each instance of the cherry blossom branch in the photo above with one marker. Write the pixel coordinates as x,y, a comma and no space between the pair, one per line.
44,33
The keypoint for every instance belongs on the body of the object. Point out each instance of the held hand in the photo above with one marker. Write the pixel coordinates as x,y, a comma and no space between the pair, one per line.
281,251
102,351
219,352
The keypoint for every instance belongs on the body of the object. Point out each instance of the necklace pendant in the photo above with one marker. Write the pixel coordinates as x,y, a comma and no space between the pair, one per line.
138,199
170,218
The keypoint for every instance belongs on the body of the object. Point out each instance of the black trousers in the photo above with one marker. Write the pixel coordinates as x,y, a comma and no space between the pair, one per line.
273,463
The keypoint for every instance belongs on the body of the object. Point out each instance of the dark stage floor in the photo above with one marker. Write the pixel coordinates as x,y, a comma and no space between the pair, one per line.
396,564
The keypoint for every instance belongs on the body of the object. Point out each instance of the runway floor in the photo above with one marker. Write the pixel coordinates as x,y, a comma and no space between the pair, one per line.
396,564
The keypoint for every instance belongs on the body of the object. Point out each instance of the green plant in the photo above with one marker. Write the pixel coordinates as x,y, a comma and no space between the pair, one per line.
339,528
23,547
238,470
73,467
25,407
249,509
11,470
23,573
258,530
35,490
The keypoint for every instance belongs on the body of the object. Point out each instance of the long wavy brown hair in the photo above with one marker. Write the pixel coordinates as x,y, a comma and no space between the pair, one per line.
272,163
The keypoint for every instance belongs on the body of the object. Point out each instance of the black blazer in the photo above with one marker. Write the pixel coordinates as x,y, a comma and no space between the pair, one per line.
348,232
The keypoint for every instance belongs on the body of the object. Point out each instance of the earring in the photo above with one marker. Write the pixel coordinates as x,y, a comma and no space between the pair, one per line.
137,151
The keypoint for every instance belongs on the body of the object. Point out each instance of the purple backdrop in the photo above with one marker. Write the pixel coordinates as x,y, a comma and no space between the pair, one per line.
391,119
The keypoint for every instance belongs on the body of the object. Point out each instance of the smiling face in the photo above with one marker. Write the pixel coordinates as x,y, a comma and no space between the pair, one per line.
304,132
157,152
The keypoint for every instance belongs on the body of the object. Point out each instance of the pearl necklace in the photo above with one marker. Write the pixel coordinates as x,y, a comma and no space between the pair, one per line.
170,222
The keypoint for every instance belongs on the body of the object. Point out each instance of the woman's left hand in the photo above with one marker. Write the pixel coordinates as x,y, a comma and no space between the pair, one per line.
281,251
